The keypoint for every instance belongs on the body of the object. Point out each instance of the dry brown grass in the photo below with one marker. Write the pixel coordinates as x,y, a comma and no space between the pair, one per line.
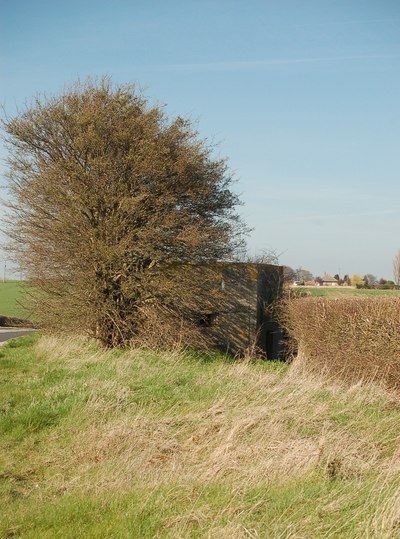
245,449
255,431
351,339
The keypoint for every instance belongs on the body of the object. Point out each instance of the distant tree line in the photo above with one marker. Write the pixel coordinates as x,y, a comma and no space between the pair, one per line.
302,276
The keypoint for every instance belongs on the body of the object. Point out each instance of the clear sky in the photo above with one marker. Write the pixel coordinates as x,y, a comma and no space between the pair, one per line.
301,95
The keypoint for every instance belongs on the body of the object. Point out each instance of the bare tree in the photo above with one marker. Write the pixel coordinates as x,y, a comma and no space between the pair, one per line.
370,279
396,268
107,192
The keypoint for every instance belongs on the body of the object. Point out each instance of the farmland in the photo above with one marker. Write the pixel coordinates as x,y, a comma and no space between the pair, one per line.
346,292
11,293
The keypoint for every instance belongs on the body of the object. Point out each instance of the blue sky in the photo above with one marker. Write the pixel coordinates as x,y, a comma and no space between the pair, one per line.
301,95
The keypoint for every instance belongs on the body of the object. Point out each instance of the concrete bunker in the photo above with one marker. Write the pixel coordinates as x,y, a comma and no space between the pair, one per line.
236,308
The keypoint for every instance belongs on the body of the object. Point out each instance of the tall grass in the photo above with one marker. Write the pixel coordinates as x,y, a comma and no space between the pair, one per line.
351,339
138,444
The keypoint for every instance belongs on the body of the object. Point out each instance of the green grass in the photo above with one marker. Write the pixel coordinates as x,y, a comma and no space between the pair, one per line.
343,292
139,444
11,294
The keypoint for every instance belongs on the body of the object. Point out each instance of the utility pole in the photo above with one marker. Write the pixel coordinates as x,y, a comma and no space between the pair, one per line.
4,271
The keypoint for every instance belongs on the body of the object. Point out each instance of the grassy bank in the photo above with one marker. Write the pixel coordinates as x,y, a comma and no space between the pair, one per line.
140,445
11,293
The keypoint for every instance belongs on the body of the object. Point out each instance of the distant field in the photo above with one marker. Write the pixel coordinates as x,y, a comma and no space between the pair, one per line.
10,296
336,292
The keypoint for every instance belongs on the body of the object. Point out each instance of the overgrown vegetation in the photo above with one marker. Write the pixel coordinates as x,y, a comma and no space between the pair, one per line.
107,193
349,338
134,444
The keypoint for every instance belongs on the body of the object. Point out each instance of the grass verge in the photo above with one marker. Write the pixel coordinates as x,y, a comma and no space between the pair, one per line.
136,444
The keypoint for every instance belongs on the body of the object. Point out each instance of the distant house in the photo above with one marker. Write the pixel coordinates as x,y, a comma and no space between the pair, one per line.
310,283
327,280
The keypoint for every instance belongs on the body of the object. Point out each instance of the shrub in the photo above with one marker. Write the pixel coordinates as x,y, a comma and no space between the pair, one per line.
351,338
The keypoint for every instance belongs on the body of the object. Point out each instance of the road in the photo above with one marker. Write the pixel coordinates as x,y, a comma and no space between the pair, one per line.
6,333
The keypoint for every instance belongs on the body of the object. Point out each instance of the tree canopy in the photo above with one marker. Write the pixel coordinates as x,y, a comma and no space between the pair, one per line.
106,191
